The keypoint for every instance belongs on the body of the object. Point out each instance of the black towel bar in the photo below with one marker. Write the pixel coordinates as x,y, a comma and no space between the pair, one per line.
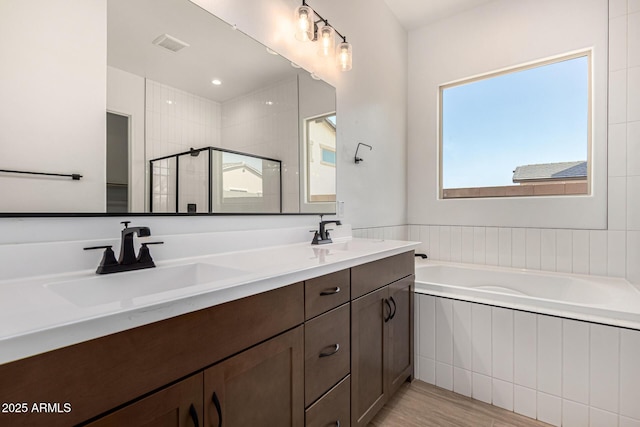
73,176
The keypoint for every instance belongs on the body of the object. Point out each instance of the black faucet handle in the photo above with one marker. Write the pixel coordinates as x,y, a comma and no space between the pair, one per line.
126,223
108,260
144,257
151,243
90,248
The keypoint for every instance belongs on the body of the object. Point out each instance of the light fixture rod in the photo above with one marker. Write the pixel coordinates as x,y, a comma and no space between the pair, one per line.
320,18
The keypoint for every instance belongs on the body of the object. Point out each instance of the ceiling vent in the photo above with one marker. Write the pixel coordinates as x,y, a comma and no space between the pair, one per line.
169,42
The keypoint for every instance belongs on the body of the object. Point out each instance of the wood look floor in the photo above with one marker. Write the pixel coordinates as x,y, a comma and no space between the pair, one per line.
423,405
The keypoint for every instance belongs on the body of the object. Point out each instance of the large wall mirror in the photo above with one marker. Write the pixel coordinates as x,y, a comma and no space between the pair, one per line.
156,106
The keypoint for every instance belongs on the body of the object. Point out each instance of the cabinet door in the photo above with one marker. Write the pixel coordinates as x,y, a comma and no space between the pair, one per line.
368,355
262,386
400,366
179,405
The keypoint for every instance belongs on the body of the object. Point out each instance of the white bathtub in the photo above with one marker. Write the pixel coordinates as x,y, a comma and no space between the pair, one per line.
611,301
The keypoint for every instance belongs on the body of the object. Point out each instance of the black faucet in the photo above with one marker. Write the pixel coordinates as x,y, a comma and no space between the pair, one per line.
127,252
322,236
128,259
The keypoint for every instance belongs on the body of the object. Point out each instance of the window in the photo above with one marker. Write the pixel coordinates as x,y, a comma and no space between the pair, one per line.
520,132
328,156
320,162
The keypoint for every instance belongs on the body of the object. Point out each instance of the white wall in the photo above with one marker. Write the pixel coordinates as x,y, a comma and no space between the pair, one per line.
250,125
498,35
469,236
53,86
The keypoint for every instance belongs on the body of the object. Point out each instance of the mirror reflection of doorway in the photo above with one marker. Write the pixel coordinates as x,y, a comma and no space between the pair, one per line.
117,163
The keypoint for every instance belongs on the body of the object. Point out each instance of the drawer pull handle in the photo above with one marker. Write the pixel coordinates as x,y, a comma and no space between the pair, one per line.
330,292
387,318
395,307
332,352
338,423
216,403
194,415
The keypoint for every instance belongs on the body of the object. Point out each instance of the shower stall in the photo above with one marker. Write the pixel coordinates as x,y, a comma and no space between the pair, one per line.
214,180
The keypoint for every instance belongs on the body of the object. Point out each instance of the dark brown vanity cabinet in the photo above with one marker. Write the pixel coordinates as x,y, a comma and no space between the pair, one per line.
329,351
381,333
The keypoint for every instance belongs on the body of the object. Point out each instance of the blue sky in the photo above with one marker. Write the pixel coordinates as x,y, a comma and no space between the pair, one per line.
533,116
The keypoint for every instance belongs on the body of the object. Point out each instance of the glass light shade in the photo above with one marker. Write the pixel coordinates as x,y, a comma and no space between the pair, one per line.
326,41
303,20
343,56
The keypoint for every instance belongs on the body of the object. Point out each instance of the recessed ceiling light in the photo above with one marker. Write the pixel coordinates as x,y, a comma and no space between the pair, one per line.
294,65
314,76
272,52
269,102
216,82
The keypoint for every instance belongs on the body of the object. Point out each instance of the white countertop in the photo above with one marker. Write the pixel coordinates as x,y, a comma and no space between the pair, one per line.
40,314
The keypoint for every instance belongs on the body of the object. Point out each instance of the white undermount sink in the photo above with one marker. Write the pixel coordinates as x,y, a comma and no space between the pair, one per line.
125,286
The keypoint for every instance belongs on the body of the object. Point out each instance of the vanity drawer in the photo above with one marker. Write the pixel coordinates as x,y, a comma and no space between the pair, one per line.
368,277
333,409
326,292
327,352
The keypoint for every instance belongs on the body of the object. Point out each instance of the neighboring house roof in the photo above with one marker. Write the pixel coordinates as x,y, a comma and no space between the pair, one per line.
551,171
232,166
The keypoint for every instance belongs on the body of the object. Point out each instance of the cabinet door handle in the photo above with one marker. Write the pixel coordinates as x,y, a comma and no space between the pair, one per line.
216,403
194,415
387,318
332,352
330,291
395,307
338,423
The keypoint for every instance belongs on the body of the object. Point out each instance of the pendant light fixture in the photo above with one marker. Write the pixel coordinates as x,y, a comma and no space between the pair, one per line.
344,56
326,41
307,30
303,18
